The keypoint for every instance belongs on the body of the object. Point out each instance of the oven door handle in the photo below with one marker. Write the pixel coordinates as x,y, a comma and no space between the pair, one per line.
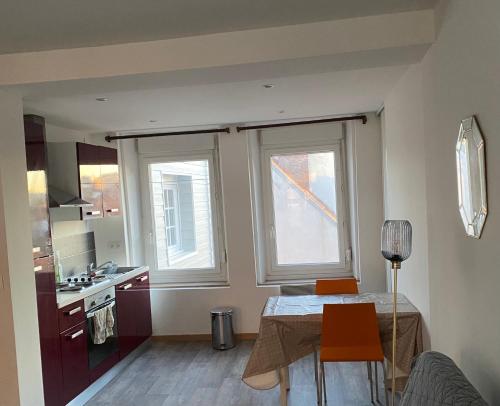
91,313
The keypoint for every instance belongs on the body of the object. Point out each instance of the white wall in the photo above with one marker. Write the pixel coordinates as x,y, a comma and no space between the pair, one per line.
460,76
405,184
186,311
393,31
21,383
131,199
367,202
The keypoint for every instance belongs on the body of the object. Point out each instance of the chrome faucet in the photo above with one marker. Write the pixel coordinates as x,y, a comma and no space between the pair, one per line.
112,263
90,269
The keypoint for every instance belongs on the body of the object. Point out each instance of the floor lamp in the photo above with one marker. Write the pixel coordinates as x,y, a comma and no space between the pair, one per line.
396,247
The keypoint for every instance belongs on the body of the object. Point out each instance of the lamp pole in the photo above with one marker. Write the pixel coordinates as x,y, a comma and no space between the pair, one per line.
396,247
395,266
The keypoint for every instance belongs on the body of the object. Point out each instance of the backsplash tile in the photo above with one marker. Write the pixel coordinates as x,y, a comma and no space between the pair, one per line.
76,252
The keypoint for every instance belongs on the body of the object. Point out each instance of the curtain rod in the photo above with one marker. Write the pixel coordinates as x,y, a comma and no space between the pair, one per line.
362,117
290,123
110,138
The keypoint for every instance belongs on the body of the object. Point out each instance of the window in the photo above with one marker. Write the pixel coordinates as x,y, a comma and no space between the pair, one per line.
304,208
302,221
186,242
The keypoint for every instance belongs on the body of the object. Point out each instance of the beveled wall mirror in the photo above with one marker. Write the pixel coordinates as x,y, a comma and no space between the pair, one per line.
471,177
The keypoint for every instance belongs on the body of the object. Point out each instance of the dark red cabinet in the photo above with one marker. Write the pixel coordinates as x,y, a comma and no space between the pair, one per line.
126,315
36,162
133,306
92,193
74,357
43,264
143,303
99,180
50,349
71,315
111,199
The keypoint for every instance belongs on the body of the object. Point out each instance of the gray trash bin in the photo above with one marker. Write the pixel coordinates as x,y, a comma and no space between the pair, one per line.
222,328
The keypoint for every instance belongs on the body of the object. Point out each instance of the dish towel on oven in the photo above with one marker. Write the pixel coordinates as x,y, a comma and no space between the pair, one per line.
103,324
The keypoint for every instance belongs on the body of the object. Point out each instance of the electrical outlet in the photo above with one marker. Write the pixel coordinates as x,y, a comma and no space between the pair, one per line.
114,244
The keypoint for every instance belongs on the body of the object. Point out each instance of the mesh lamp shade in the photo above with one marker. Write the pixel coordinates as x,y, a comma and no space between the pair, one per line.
396,240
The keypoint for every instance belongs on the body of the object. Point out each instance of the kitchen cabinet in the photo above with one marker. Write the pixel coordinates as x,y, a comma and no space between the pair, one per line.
99,180
71,315
133,306
92,193
36,162
74,357
143,307
43,263
50,349
79,171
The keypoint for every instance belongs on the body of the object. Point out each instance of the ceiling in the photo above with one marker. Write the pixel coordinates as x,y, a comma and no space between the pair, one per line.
30,25
299,96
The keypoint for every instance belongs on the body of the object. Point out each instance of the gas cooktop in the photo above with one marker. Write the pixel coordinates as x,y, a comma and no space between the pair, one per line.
77,284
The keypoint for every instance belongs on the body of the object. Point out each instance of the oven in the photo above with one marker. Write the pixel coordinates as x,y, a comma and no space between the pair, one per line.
101,356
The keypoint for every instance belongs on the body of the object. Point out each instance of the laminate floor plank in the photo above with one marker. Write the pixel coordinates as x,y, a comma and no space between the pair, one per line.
194,374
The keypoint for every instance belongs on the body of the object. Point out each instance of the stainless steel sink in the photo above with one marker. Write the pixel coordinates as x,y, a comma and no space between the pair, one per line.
118,270
125,269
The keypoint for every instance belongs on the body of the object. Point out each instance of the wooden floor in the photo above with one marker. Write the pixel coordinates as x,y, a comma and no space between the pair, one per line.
193,374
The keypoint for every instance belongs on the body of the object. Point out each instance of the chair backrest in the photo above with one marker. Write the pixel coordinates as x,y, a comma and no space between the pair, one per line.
346,326
336,286
435,380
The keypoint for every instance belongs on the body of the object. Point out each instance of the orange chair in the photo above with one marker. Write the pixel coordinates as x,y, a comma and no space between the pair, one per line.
350,334
332,287
336,286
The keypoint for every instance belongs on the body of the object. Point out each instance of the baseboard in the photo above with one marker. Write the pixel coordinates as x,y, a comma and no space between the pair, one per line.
201,337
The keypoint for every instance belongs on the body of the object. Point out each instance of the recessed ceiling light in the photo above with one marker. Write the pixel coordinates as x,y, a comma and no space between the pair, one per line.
102,99
268,86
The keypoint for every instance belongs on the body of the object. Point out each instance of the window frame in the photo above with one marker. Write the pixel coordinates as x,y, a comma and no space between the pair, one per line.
175,208
197,277
304,272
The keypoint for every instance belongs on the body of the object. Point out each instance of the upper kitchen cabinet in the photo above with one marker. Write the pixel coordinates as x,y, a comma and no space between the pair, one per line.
99,180
36,160
90,173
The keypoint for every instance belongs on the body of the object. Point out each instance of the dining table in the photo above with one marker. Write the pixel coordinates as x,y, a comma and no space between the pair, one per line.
290,328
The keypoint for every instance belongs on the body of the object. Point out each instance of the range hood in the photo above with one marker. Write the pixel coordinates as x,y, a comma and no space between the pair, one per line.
63,178
60,198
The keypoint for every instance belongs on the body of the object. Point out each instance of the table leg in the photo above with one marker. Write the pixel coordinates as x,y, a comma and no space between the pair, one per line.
287,377
284,386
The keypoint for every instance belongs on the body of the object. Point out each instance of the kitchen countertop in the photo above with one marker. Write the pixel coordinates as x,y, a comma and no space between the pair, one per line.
67,298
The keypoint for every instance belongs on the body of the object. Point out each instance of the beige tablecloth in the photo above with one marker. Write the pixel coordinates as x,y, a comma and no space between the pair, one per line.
290,329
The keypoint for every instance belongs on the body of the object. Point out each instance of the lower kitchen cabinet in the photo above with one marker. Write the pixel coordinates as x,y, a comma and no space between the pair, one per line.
74,357
143,298
48,330
133,306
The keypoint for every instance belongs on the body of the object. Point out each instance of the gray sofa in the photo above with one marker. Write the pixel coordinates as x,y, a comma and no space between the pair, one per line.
435,380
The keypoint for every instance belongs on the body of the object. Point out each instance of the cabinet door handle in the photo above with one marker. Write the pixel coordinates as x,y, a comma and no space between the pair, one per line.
112,210
142,278
74,311
74,335
38,268
93,213
125,287
36,250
